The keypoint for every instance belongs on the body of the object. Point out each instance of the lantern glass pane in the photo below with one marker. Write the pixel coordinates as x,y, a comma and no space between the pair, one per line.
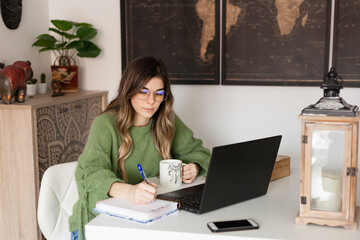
327,163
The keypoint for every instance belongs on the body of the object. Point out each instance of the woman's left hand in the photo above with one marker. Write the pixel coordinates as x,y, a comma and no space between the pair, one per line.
190,172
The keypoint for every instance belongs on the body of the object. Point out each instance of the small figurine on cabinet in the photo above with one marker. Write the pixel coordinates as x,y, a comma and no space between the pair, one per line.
56,87
13,80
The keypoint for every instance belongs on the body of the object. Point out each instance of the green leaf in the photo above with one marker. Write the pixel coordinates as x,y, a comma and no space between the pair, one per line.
60,45
63,25
53,47
65,34
86,33
44,42
46,37
47,49
90,50
55,30
82,25
75,44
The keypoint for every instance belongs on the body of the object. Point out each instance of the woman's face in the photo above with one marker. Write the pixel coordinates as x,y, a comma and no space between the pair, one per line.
146,103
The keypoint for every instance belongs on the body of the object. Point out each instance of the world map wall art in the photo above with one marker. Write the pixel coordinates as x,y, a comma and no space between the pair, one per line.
252,42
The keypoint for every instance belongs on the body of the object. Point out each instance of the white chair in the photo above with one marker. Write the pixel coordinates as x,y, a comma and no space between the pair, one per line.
58,194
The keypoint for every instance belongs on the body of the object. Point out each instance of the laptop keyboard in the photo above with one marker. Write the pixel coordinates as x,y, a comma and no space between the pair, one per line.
188,198
192,200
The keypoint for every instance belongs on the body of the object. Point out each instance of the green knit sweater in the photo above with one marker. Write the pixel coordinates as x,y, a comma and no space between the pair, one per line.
97,166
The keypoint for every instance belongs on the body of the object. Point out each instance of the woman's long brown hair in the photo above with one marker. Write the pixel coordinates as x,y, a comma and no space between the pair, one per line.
134,78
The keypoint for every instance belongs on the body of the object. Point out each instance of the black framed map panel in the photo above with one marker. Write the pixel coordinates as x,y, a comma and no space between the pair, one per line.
347,45
184,34
274,42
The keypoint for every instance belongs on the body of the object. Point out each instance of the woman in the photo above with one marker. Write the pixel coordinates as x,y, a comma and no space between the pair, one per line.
138,126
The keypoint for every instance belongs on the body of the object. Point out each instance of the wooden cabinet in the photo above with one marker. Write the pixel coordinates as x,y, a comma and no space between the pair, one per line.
34,135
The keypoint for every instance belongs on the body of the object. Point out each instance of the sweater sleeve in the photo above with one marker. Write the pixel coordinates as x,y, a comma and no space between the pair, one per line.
189,149
96,170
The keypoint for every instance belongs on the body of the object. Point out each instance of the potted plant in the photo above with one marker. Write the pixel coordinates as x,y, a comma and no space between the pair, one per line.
73,40
31,87
42,87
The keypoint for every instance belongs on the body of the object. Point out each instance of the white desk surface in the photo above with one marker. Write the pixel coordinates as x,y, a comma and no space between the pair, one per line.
275,212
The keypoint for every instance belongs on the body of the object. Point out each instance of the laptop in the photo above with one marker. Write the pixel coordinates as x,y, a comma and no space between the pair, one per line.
237,172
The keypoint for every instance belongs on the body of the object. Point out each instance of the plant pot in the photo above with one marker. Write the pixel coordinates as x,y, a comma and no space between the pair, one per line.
42,88
66,73
31,90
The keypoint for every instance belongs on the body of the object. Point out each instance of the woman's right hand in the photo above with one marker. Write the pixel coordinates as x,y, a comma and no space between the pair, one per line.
142,193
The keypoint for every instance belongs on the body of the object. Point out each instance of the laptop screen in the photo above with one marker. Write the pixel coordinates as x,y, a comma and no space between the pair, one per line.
238,172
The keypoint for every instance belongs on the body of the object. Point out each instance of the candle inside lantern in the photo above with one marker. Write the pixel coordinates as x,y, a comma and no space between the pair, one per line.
327,165
330,196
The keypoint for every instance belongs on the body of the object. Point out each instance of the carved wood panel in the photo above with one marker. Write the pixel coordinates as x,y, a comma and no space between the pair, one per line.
62,130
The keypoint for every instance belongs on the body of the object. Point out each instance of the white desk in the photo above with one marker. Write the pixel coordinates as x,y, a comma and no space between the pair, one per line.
275,213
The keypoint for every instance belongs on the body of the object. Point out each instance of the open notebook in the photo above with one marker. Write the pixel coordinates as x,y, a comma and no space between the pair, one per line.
145,213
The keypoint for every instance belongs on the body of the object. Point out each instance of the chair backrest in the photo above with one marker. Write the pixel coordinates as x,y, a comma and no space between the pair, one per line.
58,194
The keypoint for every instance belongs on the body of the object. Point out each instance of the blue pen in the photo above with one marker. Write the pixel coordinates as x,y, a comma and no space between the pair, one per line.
142,173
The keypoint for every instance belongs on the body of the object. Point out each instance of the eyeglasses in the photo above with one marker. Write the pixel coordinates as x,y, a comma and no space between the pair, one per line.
159,95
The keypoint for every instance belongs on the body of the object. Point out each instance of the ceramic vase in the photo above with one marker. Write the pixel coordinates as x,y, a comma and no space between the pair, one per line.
42,88
31,90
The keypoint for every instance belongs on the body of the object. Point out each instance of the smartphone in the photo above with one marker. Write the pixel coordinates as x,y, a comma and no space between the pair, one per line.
233,225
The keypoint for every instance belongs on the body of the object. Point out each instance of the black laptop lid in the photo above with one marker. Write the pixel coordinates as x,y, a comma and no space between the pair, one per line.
239,172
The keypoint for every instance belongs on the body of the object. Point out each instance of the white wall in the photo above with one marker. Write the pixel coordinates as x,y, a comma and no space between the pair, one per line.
227,114
16,44
217,114
103,72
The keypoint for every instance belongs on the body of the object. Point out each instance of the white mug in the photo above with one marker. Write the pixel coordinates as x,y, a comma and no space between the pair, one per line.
171,173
